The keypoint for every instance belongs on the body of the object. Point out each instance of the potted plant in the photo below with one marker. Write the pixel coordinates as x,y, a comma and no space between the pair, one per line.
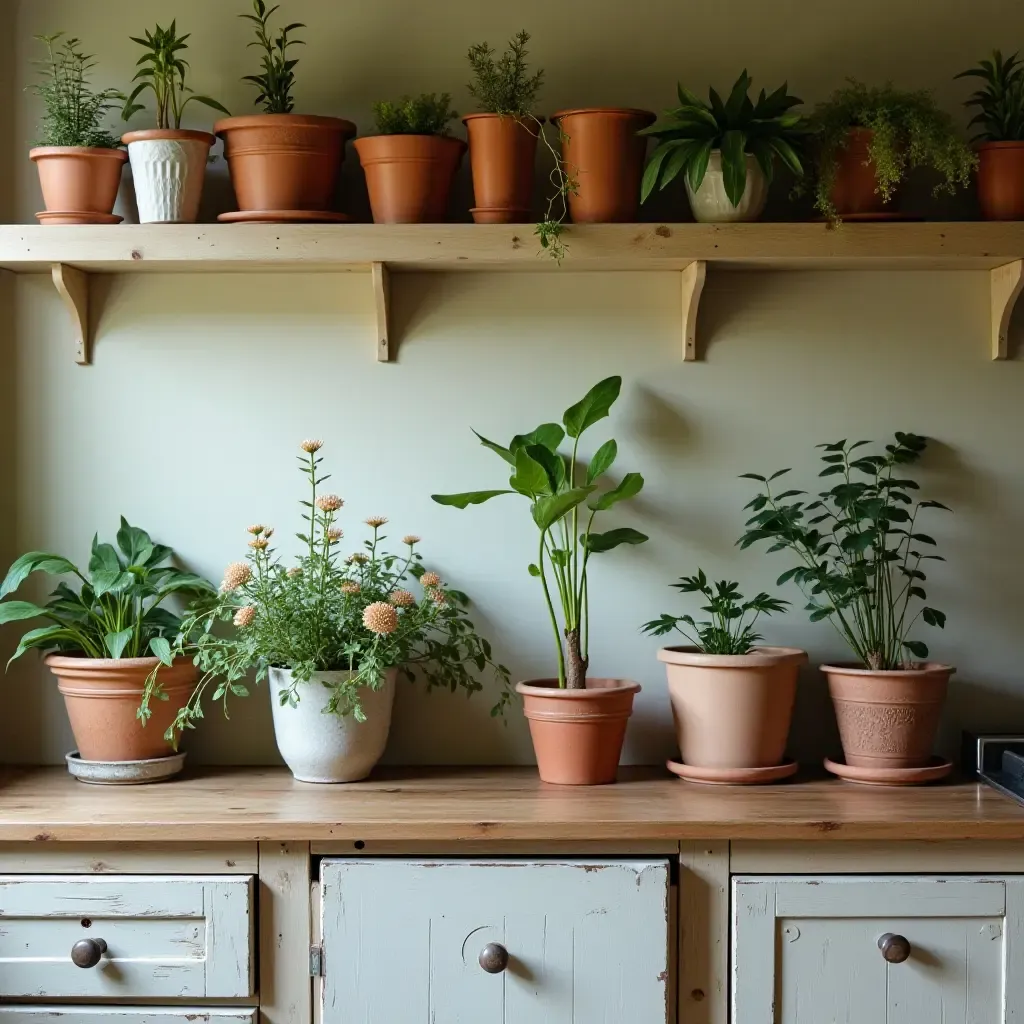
726,151
332,634
1000,141
577,722
866,141
79,161
410,164
861,550
168,162
732,699
107,638
284,166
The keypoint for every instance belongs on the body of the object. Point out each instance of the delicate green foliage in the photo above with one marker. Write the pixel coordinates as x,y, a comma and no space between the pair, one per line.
328,613
74,112
731,627
162,70
117,611
768,130
427,114
858,545
909,131
1000,101
558,487
276,81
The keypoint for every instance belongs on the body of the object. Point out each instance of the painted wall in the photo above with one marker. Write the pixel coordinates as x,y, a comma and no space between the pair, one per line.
204,384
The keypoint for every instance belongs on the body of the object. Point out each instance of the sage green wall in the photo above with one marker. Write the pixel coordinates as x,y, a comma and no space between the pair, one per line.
203,384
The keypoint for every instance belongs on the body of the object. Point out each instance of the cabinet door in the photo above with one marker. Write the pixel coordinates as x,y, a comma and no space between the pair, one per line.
587,941
807,950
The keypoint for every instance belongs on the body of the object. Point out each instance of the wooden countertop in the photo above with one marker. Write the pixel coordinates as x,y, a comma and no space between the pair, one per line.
451,804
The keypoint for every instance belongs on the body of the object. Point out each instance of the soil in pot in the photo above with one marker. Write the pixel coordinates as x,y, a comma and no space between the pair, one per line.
79,183
732,711
888,719
284,161
578,734
102,695
502,154
604,154
409,177
710,203
169,170
854,191
1001,180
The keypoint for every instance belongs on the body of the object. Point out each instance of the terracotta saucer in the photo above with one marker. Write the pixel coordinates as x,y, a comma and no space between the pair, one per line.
283,217
938,768
732,776
70,217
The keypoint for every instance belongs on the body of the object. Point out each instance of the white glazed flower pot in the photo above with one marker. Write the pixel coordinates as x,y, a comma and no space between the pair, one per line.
319,747
168,168
711,205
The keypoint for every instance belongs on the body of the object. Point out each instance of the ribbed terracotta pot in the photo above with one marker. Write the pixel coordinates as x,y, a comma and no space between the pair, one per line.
409,177
578,734
168,170
888,719
855,188
502,154
603,152
732,711
284,162
1001,180
79,182
102,695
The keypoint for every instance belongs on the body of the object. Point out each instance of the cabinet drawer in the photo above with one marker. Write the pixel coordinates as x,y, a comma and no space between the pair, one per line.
807,950
586,940
165,937
127,1015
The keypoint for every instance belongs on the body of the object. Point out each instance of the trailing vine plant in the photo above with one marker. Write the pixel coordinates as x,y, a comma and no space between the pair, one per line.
277,79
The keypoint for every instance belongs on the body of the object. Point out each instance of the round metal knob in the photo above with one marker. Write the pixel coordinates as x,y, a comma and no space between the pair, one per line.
494,958
895,948
88,952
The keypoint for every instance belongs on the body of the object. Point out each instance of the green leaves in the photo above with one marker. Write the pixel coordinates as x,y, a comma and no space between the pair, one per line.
600,542
529,478
602,461
548,510
34,561
594,406
115,643
734,164
468,498
16,611
503,452
160,648
630,486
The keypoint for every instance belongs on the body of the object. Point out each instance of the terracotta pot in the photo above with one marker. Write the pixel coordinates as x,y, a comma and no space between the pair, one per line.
711,204
888,719
605,155
1001,180
502,153
284,161
855,188
578,734
168,170
102,696
409,177
732,711
79,182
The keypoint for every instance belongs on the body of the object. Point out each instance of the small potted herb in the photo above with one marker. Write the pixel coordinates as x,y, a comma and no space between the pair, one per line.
168,161
732,699
726,151
868,139
410,163
577,722
284,166
999,106
79,161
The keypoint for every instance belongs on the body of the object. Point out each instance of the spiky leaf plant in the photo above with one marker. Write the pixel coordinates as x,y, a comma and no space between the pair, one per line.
1000,102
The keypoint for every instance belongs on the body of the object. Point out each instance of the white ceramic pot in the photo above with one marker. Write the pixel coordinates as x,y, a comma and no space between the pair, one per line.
168,168
711,205
319,747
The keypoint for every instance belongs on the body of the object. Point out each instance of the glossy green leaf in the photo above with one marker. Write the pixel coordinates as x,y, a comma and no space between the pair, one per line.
600,542
550,509
602,461
630,486
594,406
467,498
17,611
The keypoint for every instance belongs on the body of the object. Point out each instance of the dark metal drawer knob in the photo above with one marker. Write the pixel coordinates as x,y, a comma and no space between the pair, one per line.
895,948
494,958
88,952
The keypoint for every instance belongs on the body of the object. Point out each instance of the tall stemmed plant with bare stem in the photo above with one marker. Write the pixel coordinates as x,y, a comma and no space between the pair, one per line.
565,498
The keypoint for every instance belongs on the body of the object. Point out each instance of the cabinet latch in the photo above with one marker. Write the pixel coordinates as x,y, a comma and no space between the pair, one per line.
316,961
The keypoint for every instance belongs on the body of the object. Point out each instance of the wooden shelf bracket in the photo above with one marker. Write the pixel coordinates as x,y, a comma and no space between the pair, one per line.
1006,284
382,302
73,287
693,285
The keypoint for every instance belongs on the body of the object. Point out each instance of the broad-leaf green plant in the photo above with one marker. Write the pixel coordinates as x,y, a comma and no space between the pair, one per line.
768,130
1000,100
731,628
426,114
860,547
277,79
565,496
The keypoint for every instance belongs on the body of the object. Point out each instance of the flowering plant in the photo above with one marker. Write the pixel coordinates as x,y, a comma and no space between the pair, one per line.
328,613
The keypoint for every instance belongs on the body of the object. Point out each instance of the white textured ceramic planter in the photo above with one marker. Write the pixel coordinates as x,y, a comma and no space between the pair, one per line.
318,747
168,169
711,205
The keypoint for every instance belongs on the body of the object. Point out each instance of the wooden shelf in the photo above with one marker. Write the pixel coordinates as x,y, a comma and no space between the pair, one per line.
381,250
